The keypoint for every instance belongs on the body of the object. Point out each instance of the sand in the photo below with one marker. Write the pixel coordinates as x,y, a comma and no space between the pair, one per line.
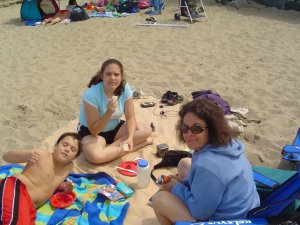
250,56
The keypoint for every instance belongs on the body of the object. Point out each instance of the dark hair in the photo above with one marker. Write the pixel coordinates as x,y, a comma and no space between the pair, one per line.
219,133
72,2
97,78
73,135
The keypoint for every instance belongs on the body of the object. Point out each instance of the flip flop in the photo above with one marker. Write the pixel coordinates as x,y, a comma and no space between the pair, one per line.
151,20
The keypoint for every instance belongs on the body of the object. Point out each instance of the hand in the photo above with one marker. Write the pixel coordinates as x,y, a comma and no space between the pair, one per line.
168,186
112,106
175,177
129,142
33,157
68,186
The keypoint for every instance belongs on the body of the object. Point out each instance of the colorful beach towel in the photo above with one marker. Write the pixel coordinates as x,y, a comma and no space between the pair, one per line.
89,207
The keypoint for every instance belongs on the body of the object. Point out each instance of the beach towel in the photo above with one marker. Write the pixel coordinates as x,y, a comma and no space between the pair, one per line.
89,207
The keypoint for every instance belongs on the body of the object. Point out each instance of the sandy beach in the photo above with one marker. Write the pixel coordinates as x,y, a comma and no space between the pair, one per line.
250,56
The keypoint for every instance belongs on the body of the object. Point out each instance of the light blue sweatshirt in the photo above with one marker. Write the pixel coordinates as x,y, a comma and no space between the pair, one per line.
220,183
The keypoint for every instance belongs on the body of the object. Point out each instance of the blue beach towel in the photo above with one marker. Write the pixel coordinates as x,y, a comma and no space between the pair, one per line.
106,14
89,207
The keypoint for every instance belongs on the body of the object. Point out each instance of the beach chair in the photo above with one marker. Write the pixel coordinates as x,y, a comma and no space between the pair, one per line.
184,10
276,205
291,152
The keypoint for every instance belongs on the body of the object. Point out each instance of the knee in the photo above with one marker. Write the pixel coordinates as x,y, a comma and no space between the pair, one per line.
147,130
158,200
92,157
183,168
92,154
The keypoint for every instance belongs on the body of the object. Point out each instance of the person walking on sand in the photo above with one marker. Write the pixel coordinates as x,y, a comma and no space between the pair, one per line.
217,183
104,135
44,173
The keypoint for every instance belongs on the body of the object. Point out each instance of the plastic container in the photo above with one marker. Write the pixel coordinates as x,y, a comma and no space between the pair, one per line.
143,173
124,189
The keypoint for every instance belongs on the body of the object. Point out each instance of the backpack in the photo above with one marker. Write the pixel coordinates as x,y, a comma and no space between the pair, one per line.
210,95
171,158
48,8
143,4
127,7
78,14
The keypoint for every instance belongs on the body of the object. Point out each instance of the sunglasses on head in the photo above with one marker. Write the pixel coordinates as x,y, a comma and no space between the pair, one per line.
195,129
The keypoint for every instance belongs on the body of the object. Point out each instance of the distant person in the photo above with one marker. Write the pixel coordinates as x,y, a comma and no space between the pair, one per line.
217,183
43,174
61,14
106,100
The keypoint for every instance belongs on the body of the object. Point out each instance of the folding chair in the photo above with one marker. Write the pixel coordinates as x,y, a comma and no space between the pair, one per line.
184,9
291,152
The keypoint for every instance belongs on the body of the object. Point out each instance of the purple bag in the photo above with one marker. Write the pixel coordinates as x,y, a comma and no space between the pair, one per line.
209,94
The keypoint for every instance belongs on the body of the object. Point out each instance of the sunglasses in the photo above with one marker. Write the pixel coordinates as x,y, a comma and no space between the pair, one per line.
195,129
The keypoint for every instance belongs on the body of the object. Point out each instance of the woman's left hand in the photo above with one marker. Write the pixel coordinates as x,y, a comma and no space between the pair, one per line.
168,186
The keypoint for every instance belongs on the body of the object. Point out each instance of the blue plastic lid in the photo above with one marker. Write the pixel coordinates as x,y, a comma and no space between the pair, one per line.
143,163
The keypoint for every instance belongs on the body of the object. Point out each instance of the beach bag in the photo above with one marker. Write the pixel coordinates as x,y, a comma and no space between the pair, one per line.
171,158
78,14
48,8
209,94
127,7
143,4
30,10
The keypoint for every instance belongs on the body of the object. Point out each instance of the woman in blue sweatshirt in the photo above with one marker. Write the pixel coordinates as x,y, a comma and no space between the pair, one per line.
217,183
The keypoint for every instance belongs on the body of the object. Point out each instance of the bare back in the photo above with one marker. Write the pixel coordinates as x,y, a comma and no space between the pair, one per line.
44,177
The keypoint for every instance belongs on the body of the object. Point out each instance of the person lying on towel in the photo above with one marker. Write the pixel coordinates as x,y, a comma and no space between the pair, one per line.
217,182
61,14
43,174
105,136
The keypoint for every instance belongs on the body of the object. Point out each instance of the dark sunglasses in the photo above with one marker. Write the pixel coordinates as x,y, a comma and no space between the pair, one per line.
195,129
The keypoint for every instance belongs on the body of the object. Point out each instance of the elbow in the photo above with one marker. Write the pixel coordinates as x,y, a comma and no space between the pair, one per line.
93,132
5,157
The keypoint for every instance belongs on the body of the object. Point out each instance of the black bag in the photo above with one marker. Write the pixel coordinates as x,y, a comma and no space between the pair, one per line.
171,158
78,14
127,7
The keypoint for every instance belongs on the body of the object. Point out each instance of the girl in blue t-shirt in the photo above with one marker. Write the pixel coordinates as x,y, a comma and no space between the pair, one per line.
105,136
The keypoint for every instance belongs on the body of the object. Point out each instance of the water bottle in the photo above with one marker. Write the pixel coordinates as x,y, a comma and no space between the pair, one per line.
143,173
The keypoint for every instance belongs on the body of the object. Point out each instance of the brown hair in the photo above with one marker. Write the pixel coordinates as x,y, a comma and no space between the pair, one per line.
97,78
72,2
73,135
219,133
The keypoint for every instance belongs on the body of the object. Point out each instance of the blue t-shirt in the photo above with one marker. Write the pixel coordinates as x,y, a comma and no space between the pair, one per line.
96,97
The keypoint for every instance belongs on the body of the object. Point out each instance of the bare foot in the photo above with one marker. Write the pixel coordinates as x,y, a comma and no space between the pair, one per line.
148,141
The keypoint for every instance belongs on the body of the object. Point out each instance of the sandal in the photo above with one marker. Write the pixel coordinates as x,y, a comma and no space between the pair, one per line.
151,20
166,97
175,99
